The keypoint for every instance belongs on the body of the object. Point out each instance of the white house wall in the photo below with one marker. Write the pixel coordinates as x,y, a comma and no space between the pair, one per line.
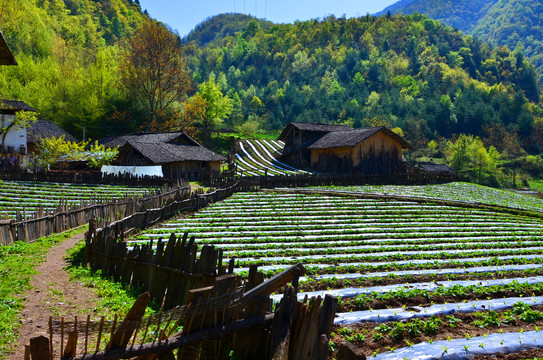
16,137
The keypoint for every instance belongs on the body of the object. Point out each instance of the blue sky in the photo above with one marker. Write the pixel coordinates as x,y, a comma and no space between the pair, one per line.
184,15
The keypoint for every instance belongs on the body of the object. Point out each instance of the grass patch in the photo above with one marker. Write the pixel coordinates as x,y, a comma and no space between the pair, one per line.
18,264
112,297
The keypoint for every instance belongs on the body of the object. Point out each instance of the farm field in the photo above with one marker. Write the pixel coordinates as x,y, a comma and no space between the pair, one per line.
258,157
410,276
28,196
456,191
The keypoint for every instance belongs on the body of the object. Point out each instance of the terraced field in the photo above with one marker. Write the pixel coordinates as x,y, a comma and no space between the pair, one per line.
456,191
258,157
412,278
28,196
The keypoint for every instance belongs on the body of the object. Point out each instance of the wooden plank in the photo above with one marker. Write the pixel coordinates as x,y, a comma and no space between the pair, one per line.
329,308
181,341
39,348
282,324
71,345
198,322
124,332
274,283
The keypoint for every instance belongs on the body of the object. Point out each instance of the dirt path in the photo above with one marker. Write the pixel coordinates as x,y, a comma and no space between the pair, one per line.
52,294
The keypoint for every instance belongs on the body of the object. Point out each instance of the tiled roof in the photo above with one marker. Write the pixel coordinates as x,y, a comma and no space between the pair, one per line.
353,137
15,105
162,153
46,129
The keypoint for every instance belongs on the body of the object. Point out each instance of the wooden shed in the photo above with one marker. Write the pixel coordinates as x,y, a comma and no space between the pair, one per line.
298,136
179,155
369,151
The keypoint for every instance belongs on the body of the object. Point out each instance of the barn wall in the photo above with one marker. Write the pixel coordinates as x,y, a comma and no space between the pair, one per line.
377,154
132,158
379,142
319,154
214,166
189,169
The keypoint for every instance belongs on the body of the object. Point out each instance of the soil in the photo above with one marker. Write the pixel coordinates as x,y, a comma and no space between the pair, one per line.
527,354
52,294
349,305
444,332
321,285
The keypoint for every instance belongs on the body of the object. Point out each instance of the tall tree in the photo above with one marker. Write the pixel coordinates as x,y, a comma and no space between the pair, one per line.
153,72
208,108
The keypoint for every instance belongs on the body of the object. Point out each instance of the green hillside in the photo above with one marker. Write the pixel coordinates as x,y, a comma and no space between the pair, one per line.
501,22
407,72
515,23
68,55
403,71
222,25
461,14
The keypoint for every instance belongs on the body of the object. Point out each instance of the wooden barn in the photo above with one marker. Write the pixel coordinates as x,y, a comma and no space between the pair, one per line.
367,151
179,155
298,136
341,149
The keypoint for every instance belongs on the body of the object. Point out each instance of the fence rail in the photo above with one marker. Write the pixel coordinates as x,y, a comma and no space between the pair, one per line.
29,230
304,180
217,320
86,177
167,272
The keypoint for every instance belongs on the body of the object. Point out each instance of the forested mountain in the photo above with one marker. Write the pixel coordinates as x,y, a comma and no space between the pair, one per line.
408,72
402,71
222,25
501,22
461,14
68,54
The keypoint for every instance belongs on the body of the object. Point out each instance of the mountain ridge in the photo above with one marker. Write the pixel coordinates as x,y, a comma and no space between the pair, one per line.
404,71
500,22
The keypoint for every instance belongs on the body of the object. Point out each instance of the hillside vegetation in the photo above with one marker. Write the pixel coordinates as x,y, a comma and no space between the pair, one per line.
425,80
68,55
461,14
501,22
404,71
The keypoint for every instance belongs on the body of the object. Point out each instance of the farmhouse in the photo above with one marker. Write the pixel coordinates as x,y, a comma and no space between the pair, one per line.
179,155
13,138
298,136
341,149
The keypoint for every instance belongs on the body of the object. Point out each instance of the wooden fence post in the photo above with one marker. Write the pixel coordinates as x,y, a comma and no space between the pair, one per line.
39,348
124,332
282,323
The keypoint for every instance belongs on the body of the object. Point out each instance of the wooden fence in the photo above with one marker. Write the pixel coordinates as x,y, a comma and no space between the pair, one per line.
167,272
87,177
321,179
218,319
24,229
